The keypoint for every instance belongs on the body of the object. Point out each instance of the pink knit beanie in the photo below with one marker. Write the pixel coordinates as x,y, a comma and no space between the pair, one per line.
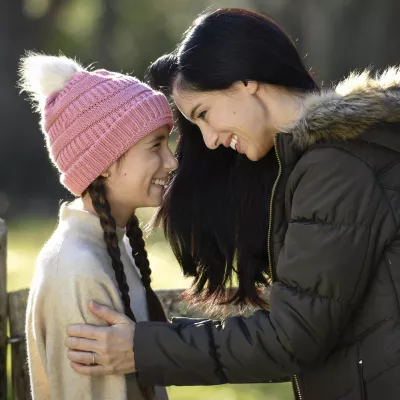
90,118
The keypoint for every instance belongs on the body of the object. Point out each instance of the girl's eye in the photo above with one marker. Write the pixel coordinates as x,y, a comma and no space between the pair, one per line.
157,145
202,115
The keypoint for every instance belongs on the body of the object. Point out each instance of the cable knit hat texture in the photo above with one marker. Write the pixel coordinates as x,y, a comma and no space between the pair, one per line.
89,118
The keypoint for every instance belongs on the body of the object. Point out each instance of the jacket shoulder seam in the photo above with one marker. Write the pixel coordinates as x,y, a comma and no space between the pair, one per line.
378,183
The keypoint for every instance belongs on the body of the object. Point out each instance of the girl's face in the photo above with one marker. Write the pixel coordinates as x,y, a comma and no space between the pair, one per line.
245,117
138,178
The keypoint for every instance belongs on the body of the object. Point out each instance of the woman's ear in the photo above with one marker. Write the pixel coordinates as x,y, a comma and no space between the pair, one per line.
251,86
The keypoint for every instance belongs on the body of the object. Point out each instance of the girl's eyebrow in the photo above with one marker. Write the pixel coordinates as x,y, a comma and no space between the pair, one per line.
158,138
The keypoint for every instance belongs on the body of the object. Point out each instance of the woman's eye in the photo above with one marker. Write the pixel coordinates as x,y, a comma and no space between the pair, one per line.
202,115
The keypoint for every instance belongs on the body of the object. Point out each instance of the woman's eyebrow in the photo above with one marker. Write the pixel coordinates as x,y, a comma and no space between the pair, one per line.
193,112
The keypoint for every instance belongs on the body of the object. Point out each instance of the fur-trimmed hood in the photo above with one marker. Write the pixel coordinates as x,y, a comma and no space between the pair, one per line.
355,105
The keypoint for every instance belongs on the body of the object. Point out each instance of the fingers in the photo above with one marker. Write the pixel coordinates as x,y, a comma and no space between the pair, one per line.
107,314
92,370
82,357
86,331
87,345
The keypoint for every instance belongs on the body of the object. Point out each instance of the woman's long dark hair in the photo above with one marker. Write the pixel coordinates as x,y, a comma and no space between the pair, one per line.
216,211
97,192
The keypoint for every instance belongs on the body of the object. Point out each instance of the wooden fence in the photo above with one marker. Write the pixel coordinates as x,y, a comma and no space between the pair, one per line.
12,315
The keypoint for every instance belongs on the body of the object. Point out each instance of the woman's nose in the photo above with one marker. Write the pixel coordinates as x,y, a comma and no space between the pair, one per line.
210,138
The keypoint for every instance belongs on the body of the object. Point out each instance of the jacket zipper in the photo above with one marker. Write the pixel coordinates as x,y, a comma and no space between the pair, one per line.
270,269
361,373
295,380
296,388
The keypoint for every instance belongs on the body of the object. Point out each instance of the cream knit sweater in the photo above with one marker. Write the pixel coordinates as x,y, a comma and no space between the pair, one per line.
72,269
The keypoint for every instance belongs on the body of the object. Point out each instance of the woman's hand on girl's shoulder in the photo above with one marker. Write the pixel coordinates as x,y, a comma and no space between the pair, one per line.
95,350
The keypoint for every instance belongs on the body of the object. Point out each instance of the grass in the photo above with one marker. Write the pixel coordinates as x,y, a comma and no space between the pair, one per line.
25,239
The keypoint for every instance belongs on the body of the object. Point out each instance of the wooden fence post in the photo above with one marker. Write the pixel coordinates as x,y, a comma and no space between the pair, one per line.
17,302
3,310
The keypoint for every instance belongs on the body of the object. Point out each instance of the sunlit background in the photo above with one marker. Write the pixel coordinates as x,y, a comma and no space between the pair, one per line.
333,36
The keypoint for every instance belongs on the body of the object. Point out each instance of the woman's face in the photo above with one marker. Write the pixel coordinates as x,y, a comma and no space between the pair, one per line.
245,117
138,178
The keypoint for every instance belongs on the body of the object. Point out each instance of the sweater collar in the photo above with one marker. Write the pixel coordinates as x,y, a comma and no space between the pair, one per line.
85,222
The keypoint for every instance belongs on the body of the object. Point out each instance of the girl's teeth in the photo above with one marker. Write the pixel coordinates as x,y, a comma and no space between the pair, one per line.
158,182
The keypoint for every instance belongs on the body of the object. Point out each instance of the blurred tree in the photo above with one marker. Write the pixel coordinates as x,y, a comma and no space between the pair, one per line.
336,36
105,34
24,171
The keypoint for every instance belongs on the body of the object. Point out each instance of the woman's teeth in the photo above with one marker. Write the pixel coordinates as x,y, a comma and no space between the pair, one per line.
160,182
234,142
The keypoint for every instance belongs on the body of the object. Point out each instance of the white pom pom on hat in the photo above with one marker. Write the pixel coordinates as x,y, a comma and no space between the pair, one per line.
42,75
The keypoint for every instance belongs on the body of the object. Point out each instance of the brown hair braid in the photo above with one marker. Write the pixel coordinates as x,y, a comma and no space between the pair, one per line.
97,192
135,236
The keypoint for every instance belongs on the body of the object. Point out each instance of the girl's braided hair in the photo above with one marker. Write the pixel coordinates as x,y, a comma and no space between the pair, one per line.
97,192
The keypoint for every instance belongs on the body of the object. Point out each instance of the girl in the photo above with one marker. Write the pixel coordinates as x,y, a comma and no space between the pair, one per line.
107,134
297,187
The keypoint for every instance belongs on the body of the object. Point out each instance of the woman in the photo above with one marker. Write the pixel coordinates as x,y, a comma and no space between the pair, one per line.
277,182
107,134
